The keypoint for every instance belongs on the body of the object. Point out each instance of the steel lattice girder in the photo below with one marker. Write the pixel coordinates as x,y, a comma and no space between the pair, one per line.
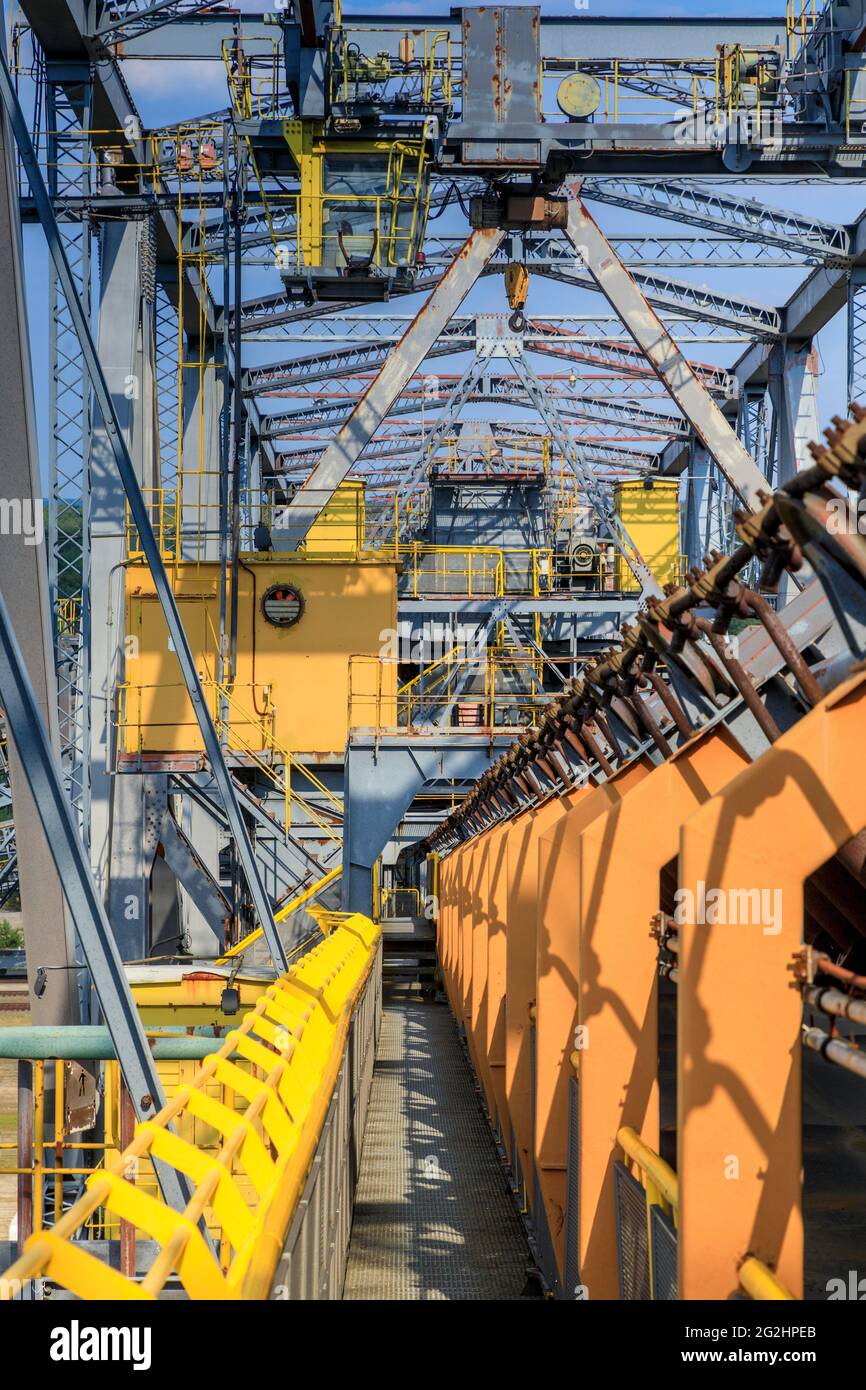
348,362
392,378
700,205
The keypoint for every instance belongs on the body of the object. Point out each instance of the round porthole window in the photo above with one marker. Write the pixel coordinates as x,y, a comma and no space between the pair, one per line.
283,605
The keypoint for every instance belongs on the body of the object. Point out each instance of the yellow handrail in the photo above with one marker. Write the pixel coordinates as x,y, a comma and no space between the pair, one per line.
760,1283
282,913
280,1067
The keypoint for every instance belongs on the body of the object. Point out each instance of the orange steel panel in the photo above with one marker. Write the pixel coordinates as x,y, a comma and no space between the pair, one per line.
478,1002
522,896
739,1049
556,985
621,855
497,907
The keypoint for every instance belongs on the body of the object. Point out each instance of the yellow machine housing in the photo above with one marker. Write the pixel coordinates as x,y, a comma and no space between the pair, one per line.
292,689
651,515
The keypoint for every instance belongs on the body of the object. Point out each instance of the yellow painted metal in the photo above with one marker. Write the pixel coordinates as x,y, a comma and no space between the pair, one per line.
760,1283
658,1176
651,517
193,998
339,527
292,687
338,218
516,284
275,1077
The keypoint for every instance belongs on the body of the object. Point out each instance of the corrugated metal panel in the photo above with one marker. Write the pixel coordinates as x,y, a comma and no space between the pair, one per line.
631,1236
664,1247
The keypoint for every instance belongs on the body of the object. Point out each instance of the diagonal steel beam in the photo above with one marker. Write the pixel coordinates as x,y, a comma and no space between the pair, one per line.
391,379
652,338
140,513
82,896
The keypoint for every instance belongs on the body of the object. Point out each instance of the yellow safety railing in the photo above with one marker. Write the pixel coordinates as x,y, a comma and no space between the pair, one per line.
187,521
253,75
801,16
499,692
705,87
319,915
518,452
423,66
277,1072
658,1179
662,1190
760,1283
247,734
475,571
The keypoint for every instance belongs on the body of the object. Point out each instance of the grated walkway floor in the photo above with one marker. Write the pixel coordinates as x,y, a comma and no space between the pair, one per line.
433,1217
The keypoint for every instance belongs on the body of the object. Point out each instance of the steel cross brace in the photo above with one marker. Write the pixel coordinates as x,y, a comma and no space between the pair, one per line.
673,370
141,517
415,475
595,494
84,901
391,379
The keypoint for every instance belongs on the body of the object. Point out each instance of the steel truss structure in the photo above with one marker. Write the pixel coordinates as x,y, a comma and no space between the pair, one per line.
259,404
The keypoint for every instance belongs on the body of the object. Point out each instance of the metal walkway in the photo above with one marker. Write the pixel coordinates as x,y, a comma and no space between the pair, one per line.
433,1216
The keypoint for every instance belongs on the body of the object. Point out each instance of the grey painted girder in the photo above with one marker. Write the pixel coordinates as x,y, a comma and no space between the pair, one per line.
390,381
386,329
703,205
494,388
683,296
616,354
140,515
676,374
122,20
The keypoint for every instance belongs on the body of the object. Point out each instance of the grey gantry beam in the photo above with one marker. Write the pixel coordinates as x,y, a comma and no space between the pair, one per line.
702,205
595,37
686,320
494,387
121,20
670,295
676,374
140,514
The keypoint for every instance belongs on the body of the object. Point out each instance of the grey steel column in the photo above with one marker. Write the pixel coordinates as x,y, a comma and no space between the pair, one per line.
48,934
121,327
203,403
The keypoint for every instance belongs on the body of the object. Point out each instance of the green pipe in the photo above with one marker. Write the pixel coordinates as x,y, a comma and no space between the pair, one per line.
93,1044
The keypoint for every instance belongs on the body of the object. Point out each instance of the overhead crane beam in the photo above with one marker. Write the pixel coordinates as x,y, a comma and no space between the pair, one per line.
127,20
494,388
617,354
